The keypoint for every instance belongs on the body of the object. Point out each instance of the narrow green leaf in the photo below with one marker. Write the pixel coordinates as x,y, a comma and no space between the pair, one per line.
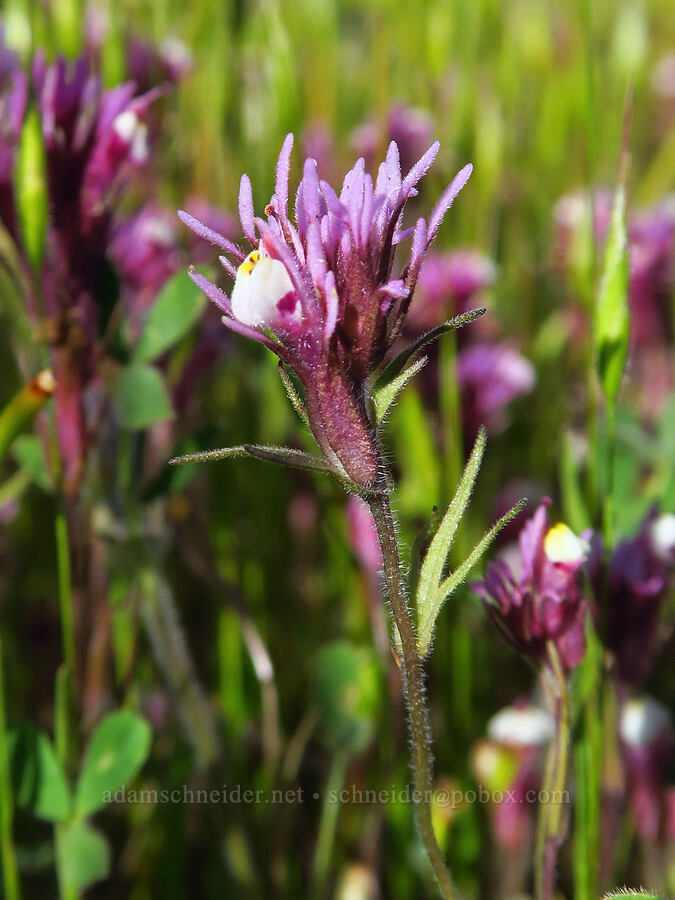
13,488
631,892
284,456
429,596
38,781
117,749
452,582
141,397
574,507
177,307
398,363
611,329
384,396
84,856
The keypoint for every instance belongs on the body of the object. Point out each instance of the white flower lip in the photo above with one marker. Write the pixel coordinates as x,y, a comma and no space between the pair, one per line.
662,536
562,545
643,721
529,726
158,231
125,124
175,51
260,284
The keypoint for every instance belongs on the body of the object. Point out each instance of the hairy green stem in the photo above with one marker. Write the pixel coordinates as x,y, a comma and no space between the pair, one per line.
162,625
413,678
551,824
10,868
65,691
63,733
542,823
330,809
65,590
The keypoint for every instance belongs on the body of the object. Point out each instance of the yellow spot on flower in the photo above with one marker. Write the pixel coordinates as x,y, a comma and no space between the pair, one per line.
562,545
249,263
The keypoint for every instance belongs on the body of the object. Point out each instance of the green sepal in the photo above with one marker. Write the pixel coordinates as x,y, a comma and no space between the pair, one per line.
383,397
393,369
432,588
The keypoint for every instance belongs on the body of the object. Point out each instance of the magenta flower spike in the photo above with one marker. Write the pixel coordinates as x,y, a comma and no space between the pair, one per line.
647,743
323,291
639,575
94,139
544,601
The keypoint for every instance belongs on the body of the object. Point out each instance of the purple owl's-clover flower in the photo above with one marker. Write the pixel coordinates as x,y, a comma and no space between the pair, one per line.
449,282
542,602
144,248
408,127
523,731
647,743
94,140
491,376
639,575
322,293
363,537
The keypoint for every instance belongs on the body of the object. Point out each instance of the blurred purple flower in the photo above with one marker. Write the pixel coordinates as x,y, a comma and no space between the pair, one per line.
647,743
211,342
638,582
663,77
325,286
94,140
150,66
651,236
490,377
408,127
571,214
144,248
652,273
318,143
523,730
363,536
543,601
448,285
13,97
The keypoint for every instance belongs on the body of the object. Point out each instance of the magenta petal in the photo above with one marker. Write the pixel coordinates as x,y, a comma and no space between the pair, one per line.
420,169
212,291
210,235
446,200
283,172
419,245
246,212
